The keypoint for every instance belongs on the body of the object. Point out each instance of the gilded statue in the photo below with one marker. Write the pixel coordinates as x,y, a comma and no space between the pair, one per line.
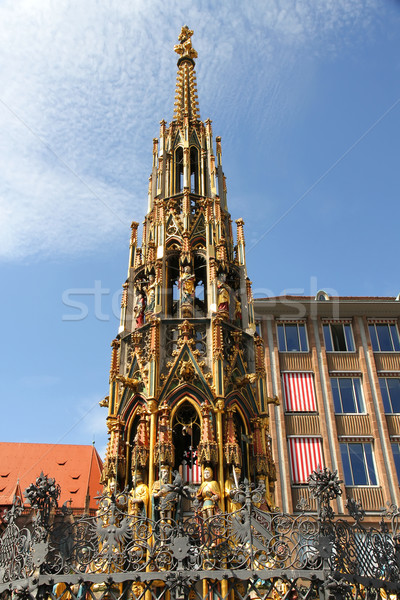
187,284
138,499
139,310
231,488
223,294
151,295
209,493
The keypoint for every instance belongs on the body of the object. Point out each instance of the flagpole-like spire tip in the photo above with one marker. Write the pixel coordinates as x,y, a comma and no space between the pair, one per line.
185,49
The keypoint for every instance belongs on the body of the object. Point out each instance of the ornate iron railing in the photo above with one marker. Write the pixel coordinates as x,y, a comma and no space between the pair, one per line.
250,553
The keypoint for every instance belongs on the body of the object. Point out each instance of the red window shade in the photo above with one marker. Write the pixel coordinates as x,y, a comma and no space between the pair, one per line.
191,468
305,457
299,392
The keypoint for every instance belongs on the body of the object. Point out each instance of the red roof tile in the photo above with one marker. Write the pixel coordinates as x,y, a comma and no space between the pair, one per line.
77,469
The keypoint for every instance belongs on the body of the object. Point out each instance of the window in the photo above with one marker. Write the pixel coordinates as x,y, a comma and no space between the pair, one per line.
338,337
179,170
384,337
358,464
299,392
305,457
292,337
347,395
390,390
194,170
396,456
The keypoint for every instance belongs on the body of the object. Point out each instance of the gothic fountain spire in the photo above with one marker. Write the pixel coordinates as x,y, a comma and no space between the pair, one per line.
187,378
186,88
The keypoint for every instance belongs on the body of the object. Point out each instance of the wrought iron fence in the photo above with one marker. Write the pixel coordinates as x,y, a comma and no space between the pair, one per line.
250,553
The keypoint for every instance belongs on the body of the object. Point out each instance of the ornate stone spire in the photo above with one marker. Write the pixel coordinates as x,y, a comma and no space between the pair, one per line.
141,448
231,447
186,89
186,342
260,458
208,447
164,453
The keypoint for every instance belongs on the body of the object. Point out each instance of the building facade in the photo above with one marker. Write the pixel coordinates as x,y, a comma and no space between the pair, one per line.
334,364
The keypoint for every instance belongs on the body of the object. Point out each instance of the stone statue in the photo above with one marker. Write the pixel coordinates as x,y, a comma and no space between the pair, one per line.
151,295
163,499
187,283
223,295
231,487
238,310
139,309
209,493
138,497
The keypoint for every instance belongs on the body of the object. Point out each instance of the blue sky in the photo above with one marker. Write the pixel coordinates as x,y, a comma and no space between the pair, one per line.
306,97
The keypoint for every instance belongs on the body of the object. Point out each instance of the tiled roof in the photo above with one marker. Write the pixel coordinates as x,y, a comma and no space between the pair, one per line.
77,469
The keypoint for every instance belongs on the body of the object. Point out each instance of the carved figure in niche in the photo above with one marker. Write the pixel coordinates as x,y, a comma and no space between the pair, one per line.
187,284
209,493
231,488
223,295
151,295
138,497
163,499
238,310
139,309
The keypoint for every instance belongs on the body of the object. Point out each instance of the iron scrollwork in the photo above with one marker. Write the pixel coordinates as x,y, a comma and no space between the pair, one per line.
259,552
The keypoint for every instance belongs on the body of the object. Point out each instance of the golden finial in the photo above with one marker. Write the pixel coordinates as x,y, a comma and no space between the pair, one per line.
184,49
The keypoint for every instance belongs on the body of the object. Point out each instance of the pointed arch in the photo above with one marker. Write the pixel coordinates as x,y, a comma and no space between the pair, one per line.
201,287
132,418
186,430
178,139
178,161
174,243
172,276
241,403
130,409
243,433
194,139
187,389
194,170
198,233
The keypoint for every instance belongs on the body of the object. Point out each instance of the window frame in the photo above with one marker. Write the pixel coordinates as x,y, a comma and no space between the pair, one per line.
396,458
368,464
386,397
300,386
346,338
376,342
295,467
281,326
357,401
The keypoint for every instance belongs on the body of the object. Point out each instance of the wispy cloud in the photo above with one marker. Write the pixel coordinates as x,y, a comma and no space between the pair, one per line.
84,84
85,425
38,381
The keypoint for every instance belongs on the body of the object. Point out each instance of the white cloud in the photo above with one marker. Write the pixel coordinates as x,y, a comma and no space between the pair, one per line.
85,424
84,85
